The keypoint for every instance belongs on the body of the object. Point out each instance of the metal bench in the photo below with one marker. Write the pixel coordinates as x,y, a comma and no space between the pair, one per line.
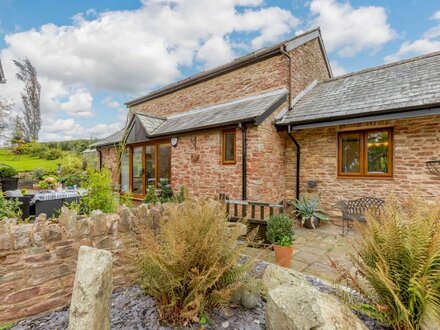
355,210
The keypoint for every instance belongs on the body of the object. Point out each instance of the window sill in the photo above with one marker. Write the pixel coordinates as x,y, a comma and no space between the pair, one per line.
365,177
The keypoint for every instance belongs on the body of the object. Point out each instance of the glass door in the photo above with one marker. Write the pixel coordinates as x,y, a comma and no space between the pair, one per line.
137,171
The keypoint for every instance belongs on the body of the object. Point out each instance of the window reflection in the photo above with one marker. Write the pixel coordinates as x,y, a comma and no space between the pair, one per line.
351,144
377,153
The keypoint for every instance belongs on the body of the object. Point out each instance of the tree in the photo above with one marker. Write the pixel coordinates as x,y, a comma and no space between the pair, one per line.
30,98
17,135
5,112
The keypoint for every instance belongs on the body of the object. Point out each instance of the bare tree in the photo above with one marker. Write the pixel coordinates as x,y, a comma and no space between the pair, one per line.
30,98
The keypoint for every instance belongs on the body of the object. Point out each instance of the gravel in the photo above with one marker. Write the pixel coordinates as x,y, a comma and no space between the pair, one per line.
133,310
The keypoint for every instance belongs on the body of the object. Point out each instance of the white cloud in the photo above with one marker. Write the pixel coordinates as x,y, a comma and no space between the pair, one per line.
430,42
109,102
215,51
338,70
135,51
79,103
68,129
348,30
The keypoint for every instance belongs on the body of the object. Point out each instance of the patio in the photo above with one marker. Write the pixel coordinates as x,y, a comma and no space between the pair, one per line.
313,250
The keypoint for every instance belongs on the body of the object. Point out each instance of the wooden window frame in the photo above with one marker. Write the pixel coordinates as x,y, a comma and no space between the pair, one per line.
224,161
155,145
363,161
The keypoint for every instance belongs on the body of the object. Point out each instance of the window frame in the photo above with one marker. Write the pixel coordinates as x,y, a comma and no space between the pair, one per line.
224,160
155,145
363,161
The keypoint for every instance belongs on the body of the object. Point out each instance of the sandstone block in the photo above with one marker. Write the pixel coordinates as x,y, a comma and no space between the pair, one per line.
90,305
21,237
5,236
83,227
67,220
292,303
54,232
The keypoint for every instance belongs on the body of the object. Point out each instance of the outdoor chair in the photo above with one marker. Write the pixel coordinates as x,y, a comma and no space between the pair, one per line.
50,207
355,210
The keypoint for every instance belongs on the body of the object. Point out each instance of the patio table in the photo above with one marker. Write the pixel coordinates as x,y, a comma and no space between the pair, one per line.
47,196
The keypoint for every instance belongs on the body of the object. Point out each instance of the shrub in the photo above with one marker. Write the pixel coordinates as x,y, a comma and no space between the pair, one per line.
53,154
99,192
39,173
399,258
191,263
126,199
150,196
9,208
7,172
71,165
35,149
280,230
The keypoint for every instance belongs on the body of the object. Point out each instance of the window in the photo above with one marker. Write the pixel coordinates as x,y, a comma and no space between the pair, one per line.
144,165
125,175
365,153
228,147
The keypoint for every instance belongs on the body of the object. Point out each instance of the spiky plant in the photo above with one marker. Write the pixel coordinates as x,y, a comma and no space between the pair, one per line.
191,263
398,258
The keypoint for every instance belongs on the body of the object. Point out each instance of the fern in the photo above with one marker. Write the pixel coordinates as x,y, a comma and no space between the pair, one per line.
191,262
398,257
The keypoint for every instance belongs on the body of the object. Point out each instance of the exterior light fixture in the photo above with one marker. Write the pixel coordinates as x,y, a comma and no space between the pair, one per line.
174,142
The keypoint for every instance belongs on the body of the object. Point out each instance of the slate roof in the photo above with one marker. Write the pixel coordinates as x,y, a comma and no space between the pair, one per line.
109,140
408,84
150,123
253,109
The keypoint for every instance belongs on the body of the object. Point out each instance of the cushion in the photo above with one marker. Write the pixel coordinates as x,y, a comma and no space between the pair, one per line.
13,193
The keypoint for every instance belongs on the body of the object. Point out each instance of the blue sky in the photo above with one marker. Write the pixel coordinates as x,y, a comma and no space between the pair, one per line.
92,56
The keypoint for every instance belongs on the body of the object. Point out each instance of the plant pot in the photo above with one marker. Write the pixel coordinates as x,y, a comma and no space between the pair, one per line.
9,184
36,186
312,224
283,255
158,192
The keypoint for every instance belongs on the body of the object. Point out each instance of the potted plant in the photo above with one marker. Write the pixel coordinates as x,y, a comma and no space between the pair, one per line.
8,177
280,232
309,212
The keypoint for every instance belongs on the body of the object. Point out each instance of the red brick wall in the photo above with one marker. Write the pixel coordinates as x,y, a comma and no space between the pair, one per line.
416,141
109,160
199,168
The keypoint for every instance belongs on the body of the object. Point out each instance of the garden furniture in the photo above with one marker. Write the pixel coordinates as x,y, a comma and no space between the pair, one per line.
355,210
50,203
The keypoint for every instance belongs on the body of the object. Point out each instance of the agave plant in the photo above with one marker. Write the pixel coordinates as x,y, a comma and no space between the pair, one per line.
307,209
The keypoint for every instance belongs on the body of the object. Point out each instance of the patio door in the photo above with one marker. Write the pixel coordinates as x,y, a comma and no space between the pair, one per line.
137,172
149,164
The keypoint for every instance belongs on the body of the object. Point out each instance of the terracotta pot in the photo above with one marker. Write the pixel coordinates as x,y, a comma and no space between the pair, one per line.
36,186
283,255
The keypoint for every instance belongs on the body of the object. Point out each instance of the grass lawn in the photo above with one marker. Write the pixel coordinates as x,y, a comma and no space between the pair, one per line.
26,163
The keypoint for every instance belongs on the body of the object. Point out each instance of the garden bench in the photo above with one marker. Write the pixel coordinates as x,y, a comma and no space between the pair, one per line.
355,210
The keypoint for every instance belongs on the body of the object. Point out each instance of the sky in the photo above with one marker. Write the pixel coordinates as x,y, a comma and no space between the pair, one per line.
93,55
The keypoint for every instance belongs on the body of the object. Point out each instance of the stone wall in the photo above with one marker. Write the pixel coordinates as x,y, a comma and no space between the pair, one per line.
109,159
416,141
38,260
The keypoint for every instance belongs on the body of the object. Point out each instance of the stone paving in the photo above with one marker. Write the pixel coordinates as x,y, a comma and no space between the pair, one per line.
314,249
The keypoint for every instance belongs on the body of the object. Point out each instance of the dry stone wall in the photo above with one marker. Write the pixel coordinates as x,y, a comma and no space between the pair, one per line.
38,260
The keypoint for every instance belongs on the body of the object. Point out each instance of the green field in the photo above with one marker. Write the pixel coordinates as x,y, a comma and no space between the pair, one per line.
26,163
